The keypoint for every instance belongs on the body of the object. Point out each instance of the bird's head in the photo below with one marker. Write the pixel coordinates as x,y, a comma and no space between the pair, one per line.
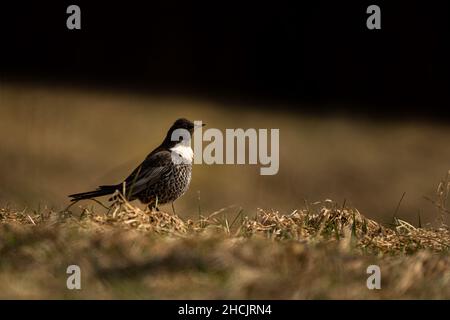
183,123
180,131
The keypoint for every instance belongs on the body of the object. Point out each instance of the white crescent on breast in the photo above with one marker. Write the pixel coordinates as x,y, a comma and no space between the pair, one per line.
182,153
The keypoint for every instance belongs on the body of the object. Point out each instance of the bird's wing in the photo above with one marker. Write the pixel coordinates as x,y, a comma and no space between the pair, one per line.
151,170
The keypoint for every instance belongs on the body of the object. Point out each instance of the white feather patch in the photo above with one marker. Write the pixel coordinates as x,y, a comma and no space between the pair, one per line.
182,153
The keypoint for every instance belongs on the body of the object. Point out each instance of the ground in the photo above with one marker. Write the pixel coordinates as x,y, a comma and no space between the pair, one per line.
319,252
58,140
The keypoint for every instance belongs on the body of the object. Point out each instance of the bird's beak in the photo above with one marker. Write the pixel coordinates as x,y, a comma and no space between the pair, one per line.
197,126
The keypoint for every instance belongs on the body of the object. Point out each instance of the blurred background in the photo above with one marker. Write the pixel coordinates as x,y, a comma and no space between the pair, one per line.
363,115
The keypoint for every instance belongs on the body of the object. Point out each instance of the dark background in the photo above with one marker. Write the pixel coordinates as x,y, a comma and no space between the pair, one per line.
363,114
318,52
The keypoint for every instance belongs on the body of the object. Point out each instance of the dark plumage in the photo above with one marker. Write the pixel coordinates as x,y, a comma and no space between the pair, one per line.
162,177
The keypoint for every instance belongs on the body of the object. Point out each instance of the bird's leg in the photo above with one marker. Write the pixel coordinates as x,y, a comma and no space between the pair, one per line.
156,204
173,208
152,207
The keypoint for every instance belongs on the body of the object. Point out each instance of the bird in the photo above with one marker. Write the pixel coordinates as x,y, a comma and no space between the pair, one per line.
163,176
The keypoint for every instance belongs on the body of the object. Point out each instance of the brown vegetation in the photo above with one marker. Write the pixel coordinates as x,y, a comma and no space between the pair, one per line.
321,251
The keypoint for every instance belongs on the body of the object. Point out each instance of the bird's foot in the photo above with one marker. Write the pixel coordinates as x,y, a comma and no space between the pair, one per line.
152,208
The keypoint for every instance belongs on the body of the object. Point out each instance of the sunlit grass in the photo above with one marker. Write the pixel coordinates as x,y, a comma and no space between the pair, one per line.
320,251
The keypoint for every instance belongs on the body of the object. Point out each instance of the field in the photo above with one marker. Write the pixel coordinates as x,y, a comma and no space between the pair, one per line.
236,234
59,140
320,252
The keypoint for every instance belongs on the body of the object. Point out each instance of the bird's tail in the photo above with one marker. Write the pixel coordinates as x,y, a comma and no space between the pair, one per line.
101,191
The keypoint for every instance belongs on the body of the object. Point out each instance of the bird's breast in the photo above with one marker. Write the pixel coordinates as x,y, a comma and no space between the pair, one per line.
182,154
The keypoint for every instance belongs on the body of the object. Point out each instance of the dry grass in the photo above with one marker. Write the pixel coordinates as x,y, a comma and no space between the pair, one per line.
321,251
